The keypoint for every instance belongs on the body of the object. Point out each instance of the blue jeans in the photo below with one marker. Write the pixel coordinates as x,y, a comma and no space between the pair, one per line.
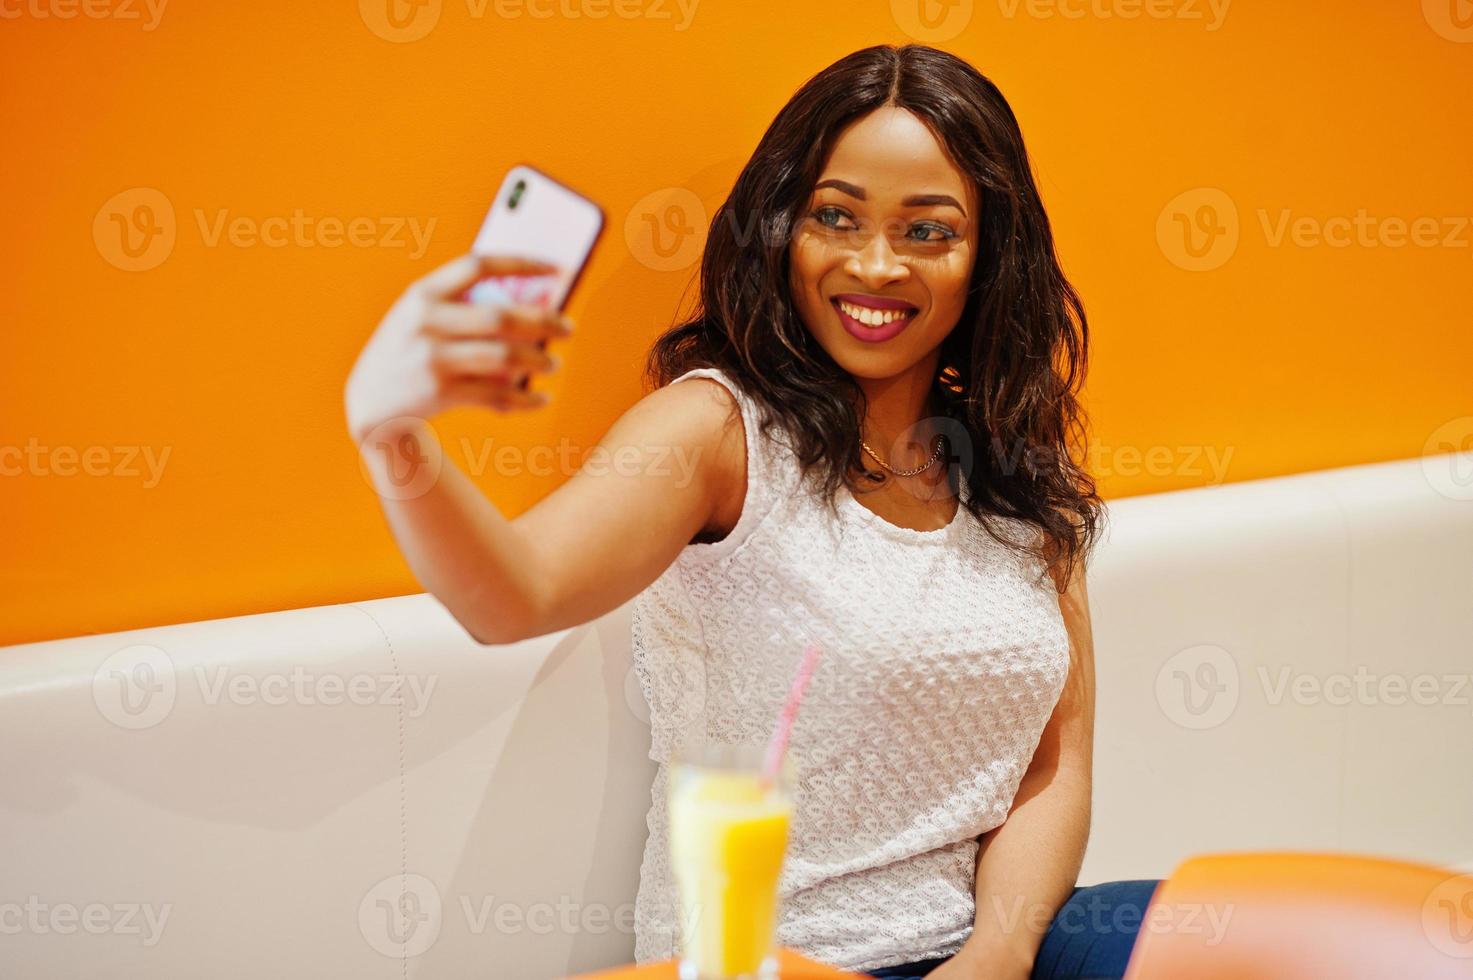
1091,935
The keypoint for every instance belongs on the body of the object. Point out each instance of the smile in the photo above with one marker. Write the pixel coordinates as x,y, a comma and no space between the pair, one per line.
873,318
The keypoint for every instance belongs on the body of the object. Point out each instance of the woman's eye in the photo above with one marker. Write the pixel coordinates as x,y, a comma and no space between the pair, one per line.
942,233
829,217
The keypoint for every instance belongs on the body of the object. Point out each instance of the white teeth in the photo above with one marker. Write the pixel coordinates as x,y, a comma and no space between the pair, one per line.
871,317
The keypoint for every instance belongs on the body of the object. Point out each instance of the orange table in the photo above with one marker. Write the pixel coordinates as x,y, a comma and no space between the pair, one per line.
790,965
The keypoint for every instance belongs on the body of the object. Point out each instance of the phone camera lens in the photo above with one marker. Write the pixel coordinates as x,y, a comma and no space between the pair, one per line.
516,193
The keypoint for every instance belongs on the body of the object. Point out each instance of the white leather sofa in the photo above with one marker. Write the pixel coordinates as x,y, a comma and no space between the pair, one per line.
243,798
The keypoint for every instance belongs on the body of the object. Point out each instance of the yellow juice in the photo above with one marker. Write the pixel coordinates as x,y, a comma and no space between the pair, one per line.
727,839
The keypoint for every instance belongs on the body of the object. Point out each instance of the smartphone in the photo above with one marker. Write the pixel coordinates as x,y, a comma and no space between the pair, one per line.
536,217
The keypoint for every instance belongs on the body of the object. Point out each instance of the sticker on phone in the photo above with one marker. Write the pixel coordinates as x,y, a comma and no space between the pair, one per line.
538,290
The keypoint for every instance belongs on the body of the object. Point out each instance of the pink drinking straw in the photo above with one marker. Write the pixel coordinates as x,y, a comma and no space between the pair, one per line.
778,744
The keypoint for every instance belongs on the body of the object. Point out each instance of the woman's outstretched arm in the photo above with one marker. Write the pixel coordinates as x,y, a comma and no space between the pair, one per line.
671,466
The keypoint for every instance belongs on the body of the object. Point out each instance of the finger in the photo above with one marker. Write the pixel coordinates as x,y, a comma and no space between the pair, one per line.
501,358
459,273
515,265
490,394
535,323
467,320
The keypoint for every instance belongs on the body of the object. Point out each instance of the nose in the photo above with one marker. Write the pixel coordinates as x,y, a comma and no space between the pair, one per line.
876,264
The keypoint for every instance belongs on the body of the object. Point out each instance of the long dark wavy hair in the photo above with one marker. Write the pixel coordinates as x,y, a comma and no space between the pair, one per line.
1008,372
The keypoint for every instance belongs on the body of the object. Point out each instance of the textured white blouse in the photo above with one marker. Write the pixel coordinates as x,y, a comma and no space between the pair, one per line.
943,657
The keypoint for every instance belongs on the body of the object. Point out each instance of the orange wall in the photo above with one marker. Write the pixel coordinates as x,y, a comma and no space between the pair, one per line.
1276,357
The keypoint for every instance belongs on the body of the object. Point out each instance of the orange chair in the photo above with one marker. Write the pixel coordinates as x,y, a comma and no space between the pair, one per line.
1254,916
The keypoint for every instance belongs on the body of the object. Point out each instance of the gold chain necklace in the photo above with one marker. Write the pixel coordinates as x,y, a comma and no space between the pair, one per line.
935,455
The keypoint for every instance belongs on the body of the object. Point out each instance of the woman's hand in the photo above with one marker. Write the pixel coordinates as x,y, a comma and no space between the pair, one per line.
433,350
975,962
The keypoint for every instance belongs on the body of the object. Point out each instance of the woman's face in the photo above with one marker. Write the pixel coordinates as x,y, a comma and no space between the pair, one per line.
882,254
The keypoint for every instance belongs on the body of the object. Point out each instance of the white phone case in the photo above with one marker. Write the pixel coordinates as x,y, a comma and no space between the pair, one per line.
535,217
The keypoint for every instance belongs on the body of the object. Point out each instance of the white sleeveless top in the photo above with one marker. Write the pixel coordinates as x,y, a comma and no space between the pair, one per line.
943,657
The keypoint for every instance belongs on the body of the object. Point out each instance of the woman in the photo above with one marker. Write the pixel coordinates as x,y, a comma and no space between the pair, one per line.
878,391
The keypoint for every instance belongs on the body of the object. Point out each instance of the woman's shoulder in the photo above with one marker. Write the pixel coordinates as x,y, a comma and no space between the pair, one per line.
745,464
699,419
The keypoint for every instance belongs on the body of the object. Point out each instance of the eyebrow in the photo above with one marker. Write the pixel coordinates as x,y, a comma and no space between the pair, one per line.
914,201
